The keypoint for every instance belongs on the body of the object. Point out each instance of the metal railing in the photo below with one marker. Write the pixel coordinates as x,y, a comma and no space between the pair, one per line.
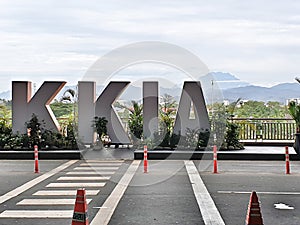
265,128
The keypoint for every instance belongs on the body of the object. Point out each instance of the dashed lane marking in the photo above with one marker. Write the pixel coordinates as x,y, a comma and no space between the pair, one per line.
260,192
208,209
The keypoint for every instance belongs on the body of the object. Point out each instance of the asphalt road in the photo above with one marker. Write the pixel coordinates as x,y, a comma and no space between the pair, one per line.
164,195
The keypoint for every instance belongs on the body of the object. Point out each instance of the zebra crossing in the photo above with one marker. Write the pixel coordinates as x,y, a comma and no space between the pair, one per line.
59,195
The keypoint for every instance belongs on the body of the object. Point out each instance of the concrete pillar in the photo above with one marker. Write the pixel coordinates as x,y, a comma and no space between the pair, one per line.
150,108
86,111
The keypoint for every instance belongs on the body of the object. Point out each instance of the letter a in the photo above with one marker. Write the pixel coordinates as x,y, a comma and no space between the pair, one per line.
191,93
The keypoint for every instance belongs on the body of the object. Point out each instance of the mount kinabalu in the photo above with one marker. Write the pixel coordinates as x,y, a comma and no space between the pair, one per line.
231,87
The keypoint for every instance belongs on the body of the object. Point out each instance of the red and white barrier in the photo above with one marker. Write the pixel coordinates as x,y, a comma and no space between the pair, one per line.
215,159
36,159
145,159
287,160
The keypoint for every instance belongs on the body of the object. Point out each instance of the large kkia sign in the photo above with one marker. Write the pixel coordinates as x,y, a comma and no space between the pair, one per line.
89,105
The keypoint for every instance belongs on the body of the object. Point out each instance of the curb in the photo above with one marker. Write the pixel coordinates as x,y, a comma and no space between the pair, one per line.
43,155
194,155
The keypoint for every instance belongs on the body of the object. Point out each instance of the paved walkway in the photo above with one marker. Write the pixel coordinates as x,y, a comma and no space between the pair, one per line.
125,153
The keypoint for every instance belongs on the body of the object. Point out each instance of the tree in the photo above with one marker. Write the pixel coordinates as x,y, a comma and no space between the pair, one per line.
70,96
135,122
294,110
34,127
168,112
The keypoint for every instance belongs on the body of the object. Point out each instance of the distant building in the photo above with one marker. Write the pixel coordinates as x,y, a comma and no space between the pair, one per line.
297,100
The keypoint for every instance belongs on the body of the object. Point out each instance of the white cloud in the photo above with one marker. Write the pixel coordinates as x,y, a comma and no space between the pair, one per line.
256,40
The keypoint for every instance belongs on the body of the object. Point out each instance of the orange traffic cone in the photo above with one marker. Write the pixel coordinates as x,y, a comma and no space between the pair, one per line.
80,216
254,216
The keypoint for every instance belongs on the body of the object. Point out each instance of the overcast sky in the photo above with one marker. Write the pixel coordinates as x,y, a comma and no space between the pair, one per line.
257,41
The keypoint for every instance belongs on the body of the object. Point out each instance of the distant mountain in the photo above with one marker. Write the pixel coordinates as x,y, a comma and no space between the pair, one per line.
5,95
230,87
223,80
279,93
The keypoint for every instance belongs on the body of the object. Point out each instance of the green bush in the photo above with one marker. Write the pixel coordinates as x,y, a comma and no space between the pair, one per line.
45,139
231,140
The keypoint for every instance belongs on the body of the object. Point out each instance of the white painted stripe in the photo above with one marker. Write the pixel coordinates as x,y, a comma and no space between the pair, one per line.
96,168
34,182
59,214
49,201
260,192
104,161
82,185
105,213
209,211
64,192
100,164
91,173
83,178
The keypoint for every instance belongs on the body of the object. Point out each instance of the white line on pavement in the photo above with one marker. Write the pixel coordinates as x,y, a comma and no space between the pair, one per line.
260,192
55,214
209,211
61,201
90,173
105,213
81,185
100,164
96,168
104,161
64,192
83,178
34,182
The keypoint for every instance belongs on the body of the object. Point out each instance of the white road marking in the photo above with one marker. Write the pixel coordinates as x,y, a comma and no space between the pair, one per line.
100,164
283,206
82,185
260,192
49,201
64,192
34,182
83,178
208,209
105,213
104,161
56,214
96,168
90,173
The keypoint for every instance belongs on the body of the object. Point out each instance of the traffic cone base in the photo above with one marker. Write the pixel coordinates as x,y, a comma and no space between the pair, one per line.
80,216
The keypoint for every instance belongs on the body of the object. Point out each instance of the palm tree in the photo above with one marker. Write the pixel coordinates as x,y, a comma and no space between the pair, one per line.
294,111
135,120
70,96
